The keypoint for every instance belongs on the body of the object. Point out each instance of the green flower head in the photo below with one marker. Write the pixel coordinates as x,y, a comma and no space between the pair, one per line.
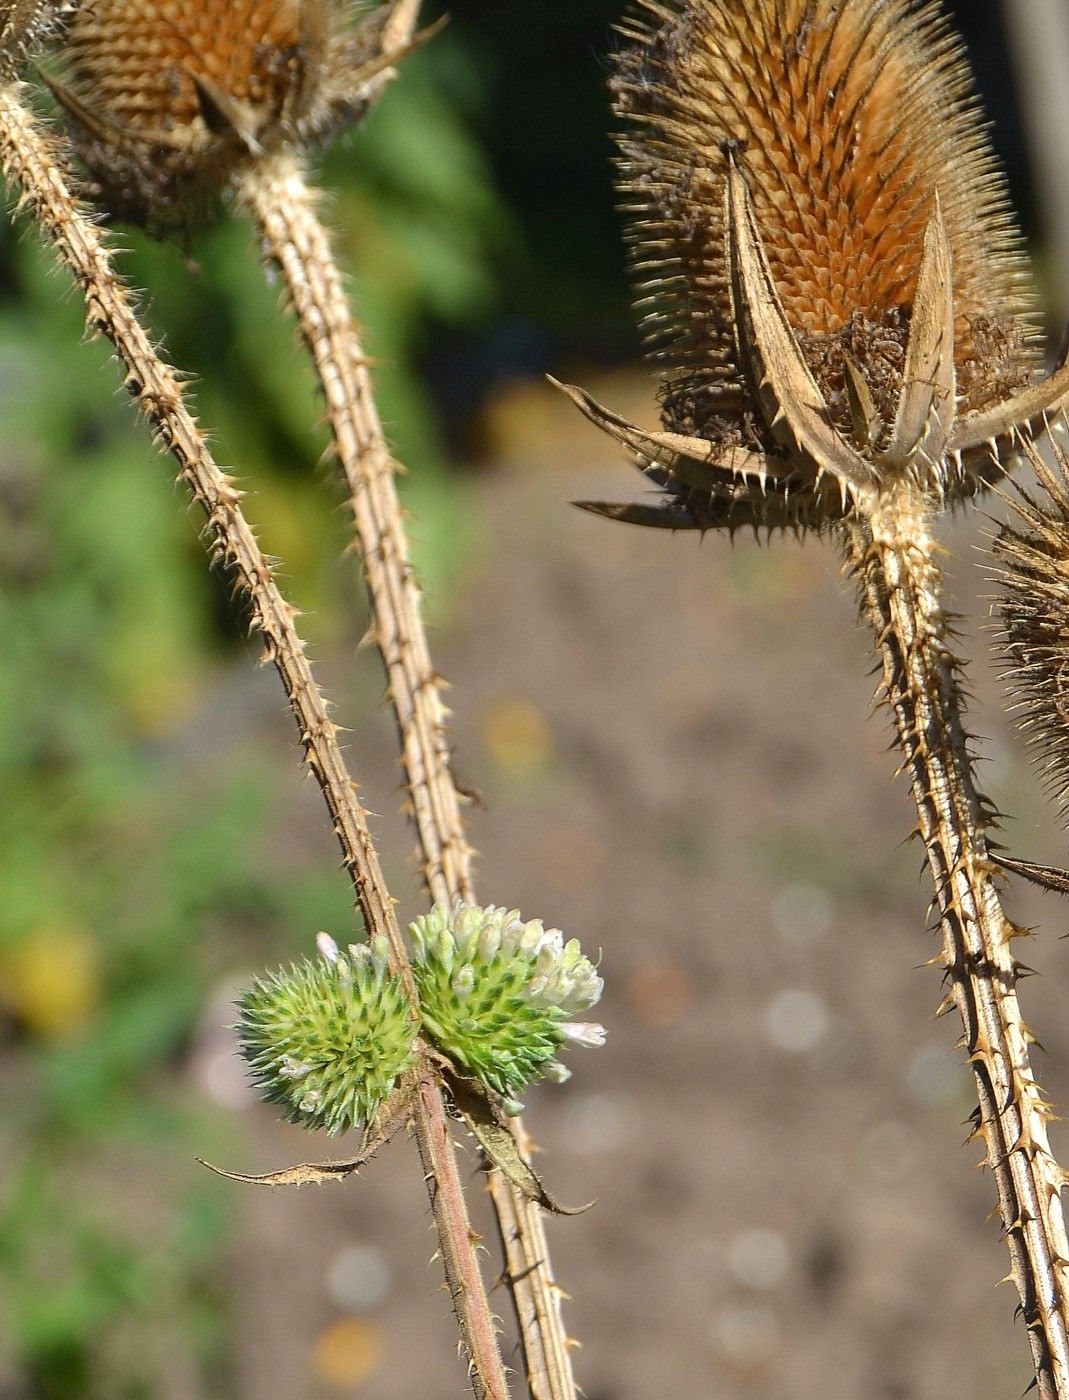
328,1039
496,993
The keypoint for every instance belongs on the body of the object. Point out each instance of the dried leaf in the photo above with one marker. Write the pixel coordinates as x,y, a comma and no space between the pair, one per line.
714,464
392,1116
926,407
489,1126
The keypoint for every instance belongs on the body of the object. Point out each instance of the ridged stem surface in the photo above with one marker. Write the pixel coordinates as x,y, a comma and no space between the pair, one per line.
892,557
284,208
30,160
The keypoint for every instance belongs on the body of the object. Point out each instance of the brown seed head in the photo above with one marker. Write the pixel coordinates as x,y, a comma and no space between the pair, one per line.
171,97
1033,557
24,23
847,117
831,279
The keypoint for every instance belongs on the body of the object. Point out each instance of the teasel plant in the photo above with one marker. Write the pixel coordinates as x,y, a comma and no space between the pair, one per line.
173,111
836,298
36,164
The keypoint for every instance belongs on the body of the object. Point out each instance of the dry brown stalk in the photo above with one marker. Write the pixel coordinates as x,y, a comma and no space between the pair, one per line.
892,555
284,208
838,300
32,162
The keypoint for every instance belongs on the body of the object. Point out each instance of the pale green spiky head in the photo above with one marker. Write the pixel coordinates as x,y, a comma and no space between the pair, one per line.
328,1039
496,993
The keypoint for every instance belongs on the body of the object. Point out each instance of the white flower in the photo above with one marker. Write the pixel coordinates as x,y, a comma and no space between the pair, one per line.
587,1033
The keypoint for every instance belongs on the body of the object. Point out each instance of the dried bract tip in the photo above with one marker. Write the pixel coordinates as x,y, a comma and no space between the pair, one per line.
328,1039
496,993
1033,558
23,25
170,98
830,277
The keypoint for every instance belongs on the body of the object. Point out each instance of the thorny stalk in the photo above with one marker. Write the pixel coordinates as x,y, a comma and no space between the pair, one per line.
284,209
31,161
839,303
892,556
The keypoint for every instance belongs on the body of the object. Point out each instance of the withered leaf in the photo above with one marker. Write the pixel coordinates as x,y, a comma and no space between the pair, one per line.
489,1126
392,1116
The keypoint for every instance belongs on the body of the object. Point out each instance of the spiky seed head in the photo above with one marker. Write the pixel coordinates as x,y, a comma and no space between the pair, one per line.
496,992
830,277
23,25
328,1038
847,119
171,97
1032,554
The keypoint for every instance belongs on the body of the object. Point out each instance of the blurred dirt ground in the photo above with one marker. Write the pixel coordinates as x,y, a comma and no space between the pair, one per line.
673,743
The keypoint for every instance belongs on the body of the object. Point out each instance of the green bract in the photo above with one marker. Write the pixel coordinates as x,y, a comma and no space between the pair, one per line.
328,1039
496,993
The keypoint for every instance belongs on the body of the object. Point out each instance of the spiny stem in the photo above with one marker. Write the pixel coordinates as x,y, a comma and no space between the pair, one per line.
892,556
284,208
31,161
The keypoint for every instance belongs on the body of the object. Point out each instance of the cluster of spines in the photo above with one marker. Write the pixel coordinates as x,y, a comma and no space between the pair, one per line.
847,118
1032,555
23,25
328,1039
496,993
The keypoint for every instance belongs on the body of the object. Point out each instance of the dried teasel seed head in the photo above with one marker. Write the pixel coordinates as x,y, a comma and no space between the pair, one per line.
171,97
23,25
328,1039
831,281
847,119
496,993
1032,555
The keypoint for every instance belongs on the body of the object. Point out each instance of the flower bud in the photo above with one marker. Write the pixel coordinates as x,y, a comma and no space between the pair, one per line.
328,1039
495,993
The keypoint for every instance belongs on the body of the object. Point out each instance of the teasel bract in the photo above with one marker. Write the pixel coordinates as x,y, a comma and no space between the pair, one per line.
835,295
175,103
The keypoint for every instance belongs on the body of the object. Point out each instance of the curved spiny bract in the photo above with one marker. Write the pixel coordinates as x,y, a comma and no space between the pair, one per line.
170,99
23,25
1032,553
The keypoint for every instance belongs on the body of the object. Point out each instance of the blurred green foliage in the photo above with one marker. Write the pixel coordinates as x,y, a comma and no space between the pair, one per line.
133,872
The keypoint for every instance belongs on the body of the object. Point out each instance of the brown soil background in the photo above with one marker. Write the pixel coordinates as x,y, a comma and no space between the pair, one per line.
675,749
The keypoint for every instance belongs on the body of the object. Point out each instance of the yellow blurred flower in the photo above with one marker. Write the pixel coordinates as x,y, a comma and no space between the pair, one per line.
348,1352
51,981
